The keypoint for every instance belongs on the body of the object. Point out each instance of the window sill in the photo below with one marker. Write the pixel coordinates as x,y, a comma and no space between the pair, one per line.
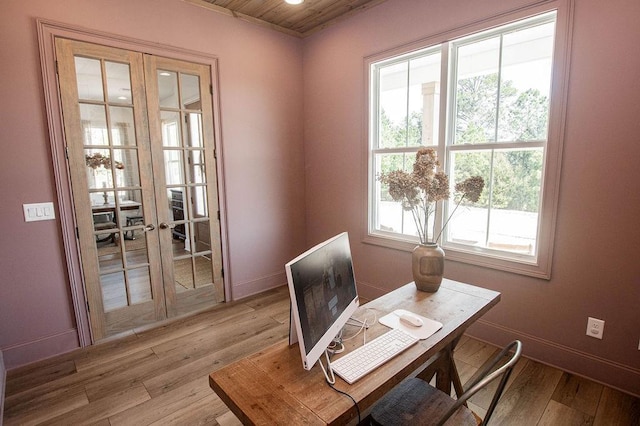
492,260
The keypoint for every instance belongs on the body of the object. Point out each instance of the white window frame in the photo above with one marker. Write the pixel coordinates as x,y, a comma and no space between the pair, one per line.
539,265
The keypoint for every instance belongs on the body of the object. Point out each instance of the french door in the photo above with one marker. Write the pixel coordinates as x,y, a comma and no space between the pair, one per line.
141,158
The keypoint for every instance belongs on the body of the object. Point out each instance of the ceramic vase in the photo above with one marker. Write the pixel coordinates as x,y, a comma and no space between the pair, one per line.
428,266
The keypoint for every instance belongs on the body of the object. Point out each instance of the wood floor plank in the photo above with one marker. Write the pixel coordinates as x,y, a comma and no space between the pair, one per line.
560,414
484,396
617,409
103,408
216,336
479,411
202,367
526,399
204,411
228,419
465,371
474,352
578,393
83,378
276,305
183,351
46,406
32,376
278,311
155,409
114,383
275,296
107,352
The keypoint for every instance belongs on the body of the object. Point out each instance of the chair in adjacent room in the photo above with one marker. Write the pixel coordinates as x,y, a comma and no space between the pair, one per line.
131,221
416,402
104,221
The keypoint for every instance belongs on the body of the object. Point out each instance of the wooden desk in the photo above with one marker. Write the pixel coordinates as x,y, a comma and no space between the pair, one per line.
111,207
271,387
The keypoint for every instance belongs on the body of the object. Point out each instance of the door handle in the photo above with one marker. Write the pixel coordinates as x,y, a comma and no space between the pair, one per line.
149,227
164,225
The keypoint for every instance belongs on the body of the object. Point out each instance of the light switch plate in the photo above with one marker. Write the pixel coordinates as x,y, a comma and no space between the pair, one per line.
38,211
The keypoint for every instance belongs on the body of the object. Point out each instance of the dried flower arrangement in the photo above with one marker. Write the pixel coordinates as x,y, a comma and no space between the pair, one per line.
96,160
420,190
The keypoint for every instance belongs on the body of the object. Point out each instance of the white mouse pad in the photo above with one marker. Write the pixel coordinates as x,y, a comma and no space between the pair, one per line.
428,327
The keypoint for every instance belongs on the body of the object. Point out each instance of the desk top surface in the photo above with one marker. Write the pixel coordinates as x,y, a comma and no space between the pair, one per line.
271,386
124,205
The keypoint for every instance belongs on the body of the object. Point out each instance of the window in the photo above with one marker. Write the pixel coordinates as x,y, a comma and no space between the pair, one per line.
485,102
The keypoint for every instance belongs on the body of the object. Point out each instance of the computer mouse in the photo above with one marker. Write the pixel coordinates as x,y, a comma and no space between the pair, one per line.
411,320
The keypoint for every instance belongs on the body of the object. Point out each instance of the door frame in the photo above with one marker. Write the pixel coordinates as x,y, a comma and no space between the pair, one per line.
47,32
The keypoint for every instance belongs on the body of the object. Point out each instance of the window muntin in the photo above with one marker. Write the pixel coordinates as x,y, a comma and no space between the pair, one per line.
405,120
503,83
500,132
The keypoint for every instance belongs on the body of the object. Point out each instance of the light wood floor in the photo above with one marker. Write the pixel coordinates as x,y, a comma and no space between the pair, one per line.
160,376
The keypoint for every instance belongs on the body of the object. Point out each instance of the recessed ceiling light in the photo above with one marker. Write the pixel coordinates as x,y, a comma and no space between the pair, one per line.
294,1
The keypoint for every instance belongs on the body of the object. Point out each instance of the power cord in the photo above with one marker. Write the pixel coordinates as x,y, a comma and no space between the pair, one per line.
350,397
363,325
337,347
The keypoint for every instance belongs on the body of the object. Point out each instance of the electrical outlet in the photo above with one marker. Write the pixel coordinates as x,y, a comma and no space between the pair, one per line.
595,328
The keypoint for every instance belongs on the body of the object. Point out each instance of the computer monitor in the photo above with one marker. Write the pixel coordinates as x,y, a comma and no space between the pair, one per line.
322,288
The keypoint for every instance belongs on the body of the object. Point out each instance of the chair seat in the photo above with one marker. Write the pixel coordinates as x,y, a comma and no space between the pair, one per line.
133,220
415,402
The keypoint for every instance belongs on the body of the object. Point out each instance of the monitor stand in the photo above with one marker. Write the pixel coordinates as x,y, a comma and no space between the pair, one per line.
328,373
293,339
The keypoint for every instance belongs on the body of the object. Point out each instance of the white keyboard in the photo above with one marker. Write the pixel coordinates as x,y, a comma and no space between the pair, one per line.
371,355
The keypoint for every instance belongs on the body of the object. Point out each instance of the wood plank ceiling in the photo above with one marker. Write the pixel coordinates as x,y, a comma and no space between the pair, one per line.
299,20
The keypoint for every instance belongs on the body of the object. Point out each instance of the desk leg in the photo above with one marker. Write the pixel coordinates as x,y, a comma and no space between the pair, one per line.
443,367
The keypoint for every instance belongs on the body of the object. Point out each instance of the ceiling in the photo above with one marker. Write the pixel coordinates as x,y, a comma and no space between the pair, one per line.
299,20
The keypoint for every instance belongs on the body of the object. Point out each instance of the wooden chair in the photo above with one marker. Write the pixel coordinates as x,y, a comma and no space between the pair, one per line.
415,402
103,221
133,220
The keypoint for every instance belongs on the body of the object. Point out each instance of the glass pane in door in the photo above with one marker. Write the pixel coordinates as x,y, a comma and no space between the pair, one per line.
183,273
170,122
183,151
203,271
126,168
168,89
89,79
94,124
190,91
123,130
113,180
118,82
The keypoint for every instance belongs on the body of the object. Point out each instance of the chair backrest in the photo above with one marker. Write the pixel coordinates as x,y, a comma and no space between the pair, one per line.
488,375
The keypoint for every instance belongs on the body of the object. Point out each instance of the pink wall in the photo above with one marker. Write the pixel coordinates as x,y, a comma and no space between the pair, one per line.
261,101
595,270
